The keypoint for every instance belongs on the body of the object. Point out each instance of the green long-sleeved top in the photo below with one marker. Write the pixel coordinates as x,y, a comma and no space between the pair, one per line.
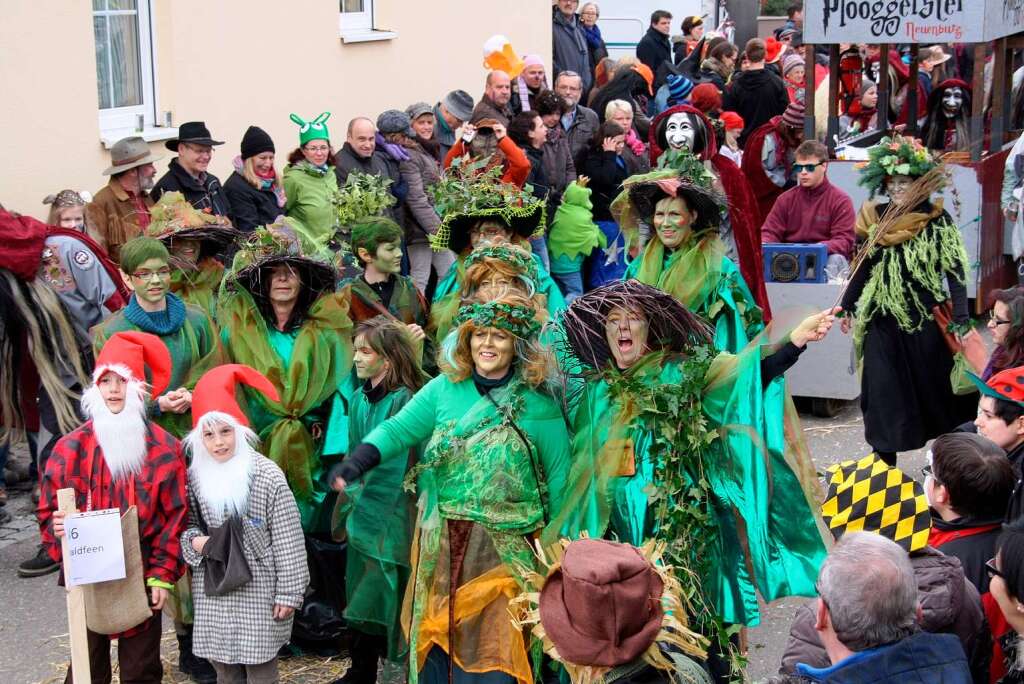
308,193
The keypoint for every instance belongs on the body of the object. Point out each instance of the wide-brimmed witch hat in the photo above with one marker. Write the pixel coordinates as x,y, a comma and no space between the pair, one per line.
278,244
466,196
641,193
174,217
194,132
671,326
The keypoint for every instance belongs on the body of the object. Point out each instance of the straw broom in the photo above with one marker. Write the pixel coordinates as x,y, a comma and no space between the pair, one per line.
919,191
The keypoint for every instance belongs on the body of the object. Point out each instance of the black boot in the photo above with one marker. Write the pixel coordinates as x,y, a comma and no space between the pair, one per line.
366,650
199,669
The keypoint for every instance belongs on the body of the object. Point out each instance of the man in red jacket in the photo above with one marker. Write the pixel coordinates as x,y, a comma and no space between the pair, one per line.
118,459
815,211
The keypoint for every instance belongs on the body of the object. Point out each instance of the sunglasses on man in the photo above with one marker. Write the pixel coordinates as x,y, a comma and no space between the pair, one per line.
809,168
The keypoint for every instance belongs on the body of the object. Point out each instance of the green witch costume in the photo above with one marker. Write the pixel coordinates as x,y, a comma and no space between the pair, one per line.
196,281
697,272
463,202
493,472
907,397
306,361
682,447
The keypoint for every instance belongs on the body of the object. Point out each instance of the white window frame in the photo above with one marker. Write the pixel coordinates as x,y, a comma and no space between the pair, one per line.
124,119
358,27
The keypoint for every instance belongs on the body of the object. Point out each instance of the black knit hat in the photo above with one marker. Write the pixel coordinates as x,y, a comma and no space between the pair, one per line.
256,141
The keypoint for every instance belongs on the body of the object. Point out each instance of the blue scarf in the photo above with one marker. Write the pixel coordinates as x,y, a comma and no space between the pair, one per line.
166,322
593,35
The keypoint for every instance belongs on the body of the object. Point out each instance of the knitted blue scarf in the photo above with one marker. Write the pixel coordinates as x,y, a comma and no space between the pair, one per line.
593,35
166,322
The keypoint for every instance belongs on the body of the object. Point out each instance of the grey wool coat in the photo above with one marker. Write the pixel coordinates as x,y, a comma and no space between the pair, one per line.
239,628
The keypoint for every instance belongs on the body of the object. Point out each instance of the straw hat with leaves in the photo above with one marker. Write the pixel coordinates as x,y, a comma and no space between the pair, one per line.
174,218
467,194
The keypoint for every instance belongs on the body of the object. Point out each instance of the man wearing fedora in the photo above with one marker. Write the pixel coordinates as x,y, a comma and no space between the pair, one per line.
187,173
120,211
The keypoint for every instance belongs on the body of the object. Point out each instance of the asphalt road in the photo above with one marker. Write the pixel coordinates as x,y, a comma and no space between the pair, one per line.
33,642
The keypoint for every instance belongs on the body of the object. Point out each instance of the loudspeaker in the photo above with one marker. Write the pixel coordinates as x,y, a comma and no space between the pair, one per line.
795,263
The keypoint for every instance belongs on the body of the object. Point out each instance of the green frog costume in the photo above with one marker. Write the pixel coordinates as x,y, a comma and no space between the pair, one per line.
684,447
493,472
174,218
306,361
697,272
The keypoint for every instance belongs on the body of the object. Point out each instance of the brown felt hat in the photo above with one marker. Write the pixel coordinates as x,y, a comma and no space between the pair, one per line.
602,606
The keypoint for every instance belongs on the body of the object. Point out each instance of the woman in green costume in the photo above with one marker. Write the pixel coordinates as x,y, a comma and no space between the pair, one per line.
379,513
479,211
687,258
673,441
194,239
493,472
187,330
310,183
279,313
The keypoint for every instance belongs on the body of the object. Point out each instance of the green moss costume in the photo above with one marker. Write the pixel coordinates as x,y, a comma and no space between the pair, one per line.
687,446
306,363
697,272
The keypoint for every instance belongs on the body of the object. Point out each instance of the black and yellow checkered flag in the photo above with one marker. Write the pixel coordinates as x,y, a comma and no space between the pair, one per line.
870,496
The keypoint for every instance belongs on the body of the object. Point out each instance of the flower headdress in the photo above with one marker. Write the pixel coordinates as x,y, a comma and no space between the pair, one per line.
895,156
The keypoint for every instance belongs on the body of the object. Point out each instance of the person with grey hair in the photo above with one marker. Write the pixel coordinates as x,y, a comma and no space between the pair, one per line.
579,122
867,618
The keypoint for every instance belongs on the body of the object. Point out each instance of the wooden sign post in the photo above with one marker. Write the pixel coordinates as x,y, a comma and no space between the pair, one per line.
80,673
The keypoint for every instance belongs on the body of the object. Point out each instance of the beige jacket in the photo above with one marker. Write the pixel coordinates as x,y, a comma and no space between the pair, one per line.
111,217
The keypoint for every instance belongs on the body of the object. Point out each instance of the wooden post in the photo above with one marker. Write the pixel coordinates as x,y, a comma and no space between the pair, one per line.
80,673
1000,93
883,87
976,124
834,74
912,86
810,127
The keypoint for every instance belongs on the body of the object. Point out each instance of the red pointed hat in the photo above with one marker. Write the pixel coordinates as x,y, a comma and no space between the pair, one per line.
130,353
215,391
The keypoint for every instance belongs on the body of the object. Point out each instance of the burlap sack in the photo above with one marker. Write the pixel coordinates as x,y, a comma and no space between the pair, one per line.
117,606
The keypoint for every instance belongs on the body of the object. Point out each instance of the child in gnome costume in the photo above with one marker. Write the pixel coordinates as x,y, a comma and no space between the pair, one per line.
244,540
120,459
614,613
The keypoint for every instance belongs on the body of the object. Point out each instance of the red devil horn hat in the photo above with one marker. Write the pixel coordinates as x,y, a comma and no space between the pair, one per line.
215,391
130,353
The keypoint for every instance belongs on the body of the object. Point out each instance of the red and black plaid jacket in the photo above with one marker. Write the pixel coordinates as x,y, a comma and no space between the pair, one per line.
159,495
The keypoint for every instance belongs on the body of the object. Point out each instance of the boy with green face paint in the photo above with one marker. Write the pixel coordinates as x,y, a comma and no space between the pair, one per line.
187,331
381,289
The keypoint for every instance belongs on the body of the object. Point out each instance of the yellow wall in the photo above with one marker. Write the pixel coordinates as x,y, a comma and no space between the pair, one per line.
234,63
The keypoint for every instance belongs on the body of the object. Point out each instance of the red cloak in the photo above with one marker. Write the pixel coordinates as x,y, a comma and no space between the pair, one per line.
744,216
764,189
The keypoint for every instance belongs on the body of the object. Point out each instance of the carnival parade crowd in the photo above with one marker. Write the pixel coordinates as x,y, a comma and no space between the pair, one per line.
493,392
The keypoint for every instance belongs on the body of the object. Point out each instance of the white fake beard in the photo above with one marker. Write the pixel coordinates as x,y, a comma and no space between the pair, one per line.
121,436
223,486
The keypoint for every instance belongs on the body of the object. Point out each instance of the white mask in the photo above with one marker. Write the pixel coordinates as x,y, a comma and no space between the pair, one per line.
680,132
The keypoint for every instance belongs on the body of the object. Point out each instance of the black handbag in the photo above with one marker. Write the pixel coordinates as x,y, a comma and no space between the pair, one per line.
226,566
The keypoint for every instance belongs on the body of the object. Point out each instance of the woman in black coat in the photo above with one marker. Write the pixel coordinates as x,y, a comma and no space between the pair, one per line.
606,167
254,189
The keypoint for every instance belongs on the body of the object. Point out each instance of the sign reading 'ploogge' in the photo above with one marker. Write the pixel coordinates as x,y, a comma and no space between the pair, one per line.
911,21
